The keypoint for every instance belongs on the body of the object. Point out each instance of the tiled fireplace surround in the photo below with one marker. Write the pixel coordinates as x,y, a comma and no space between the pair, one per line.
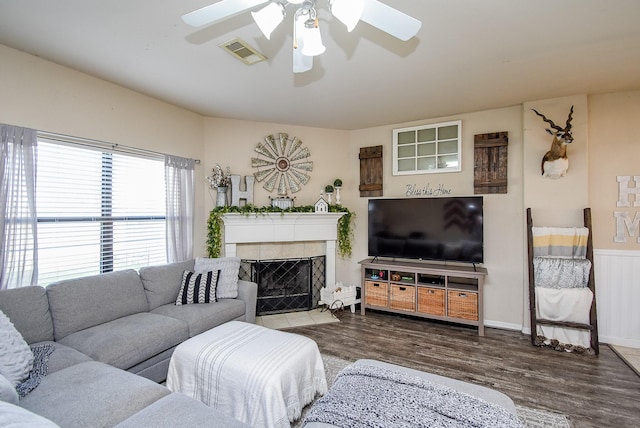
283,236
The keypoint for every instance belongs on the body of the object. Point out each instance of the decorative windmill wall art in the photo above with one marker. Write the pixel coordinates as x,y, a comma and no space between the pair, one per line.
282,164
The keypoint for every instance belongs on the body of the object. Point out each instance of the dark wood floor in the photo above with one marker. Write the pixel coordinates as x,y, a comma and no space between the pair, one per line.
594,391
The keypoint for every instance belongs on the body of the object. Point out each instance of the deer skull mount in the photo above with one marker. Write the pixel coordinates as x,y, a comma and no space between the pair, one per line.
555,162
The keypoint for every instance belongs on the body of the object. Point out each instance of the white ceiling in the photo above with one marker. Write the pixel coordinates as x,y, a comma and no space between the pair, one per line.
469,55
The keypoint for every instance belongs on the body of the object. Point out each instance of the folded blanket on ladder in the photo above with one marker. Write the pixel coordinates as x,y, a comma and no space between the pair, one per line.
561,273
567,304
365,396
567,242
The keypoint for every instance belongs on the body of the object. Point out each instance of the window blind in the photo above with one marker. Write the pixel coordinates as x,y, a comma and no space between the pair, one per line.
97,211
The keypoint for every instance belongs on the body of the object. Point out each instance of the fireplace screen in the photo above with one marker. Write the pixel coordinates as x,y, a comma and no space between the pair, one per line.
285,285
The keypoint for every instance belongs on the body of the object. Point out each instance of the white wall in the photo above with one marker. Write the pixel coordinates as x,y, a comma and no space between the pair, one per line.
503,215
614,150
42,95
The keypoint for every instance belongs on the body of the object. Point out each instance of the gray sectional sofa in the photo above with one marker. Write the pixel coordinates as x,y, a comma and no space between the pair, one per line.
114,335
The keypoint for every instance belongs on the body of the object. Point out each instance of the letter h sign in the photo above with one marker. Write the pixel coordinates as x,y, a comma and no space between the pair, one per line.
624,191
623,219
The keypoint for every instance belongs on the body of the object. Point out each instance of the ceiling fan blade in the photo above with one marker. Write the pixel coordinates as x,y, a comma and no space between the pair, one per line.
218,11
390,20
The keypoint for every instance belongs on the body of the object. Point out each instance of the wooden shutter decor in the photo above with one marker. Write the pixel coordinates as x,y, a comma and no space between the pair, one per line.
490,163
370,171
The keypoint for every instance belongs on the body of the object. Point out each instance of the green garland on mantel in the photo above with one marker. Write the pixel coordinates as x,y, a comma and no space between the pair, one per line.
215,224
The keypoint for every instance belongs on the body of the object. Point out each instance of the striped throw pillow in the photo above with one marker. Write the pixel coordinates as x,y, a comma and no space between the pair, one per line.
198,287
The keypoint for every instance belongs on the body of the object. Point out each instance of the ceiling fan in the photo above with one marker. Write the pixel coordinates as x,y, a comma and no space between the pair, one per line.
307,41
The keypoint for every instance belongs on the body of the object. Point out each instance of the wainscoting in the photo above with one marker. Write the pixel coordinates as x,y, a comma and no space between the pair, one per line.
617,276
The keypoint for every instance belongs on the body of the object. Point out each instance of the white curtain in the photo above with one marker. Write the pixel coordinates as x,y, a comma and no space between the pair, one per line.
18,221
179,181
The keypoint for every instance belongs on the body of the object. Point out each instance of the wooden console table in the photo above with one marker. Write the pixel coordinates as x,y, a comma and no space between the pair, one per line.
427,290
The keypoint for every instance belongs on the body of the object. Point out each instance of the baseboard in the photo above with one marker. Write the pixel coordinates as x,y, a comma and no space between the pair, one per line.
502,325
620,341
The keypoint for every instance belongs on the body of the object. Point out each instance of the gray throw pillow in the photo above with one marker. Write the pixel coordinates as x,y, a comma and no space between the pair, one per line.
229,268
16,358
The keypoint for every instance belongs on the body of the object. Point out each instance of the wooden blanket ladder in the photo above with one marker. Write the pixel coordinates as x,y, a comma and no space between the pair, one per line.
535,321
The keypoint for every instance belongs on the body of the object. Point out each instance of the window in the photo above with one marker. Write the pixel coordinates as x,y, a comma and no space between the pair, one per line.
97,211
427,149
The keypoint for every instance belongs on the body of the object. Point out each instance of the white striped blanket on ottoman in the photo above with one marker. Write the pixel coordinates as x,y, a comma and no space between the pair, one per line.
260,376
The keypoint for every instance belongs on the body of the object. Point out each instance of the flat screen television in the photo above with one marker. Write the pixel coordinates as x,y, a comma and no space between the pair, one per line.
444,229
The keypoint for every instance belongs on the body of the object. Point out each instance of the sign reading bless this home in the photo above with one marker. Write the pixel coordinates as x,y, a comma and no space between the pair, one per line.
426,190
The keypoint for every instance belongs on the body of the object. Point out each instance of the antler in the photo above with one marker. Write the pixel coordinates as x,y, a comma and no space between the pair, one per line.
568,126
550,122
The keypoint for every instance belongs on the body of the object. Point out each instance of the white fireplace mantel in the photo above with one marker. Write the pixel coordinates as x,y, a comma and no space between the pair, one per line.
284,227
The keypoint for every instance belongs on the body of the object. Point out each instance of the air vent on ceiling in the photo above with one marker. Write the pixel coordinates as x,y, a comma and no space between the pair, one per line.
241,50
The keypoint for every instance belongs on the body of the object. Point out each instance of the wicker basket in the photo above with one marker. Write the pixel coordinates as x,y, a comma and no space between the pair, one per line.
431,301
376,293
463,304
403,297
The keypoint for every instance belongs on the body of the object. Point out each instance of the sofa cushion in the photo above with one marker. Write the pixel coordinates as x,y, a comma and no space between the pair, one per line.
28,310
63,356
229,268
162,283
12,416
198,288
127,341
81,303
204,316
16,358
178,410
91,394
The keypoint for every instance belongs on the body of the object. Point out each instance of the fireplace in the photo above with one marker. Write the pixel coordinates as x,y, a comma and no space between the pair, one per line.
285,285
279,229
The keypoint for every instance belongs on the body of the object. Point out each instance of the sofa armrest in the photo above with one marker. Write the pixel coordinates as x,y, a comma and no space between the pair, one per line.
248,293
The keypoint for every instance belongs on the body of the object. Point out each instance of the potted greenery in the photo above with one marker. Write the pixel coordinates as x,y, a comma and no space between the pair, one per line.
328,189
337,183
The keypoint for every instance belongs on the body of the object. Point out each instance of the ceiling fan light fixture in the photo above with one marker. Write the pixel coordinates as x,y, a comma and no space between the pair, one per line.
347,11
301,63
307,41
312,45
269,17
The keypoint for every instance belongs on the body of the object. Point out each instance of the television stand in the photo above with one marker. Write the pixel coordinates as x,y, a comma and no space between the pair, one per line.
426,290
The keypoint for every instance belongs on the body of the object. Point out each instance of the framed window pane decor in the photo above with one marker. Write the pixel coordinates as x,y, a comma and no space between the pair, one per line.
427,149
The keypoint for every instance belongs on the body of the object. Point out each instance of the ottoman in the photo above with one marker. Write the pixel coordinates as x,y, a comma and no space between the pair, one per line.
479,406
260,376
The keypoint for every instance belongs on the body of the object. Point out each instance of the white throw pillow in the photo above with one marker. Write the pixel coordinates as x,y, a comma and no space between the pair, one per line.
7,392
16,358
229,268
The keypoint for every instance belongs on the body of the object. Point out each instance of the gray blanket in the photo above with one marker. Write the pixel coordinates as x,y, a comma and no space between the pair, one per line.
365,396
39,370
552,272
